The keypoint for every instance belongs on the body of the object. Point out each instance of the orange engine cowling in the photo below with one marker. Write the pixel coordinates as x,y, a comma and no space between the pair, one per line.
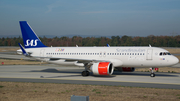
102,68
126,69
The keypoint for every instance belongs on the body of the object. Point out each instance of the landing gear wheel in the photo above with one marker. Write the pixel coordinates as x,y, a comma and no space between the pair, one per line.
85,73
152,75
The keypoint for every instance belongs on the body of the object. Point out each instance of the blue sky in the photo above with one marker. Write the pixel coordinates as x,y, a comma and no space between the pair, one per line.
91,17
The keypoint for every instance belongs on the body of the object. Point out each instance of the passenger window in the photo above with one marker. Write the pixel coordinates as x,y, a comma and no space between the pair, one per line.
117,53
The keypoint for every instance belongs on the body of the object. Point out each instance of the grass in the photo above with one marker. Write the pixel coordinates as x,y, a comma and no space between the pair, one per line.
20,62
63,92
173,50
1,86
9,49
178,95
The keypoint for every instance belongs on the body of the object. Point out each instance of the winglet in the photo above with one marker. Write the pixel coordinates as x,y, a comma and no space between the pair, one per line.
108,45
23,50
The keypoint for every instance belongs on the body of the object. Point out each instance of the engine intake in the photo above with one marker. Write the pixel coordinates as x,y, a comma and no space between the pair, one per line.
102,68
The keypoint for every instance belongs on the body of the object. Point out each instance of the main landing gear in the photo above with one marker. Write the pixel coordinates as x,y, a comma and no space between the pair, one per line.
85,73
152,73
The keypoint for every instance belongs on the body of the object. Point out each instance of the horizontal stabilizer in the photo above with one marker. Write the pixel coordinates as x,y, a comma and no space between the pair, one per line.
23,50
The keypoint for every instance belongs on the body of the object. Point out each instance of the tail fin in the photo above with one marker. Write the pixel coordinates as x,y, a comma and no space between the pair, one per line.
30,38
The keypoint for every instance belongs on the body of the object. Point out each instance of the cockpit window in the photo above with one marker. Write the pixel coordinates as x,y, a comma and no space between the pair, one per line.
164,53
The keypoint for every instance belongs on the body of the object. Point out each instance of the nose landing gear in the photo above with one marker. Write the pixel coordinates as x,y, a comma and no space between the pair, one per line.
152,73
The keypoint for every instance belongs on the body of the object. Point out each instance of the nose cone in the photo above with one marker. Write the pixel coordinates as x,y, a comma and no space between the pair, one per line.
175,60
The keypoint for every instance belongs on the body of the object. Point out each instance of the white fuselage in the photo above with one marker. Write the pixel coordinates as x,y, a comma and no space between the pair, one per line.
118,56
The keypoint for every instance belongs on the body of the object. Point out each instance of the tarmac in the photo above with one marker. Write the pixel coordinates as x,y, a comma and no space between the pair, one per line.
72,75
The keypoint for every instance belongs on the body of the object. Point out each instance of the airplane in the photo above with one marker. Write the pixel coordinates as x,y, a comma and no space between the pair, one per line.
98,60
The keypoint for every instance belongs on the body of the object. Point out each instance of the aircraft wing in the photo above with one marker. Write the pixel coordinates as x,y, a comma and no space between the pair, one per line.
116,62
75,59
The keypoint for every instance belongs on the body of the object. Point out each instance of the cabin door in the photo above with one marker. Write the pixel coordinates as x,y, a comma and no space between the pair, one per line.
42,52
149,54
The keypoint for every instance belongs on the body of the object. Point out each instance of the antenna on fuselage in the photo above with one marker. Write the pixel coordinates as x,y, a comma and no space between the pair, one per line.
149,45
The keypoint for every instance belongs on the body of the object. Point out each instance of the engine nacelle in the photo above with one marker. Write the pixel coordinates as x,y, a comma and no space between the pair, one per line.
102,68
126,69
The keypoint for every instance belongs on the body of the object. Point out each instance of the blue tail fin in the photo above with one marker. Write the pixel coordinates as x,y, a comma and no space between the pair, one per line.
30,38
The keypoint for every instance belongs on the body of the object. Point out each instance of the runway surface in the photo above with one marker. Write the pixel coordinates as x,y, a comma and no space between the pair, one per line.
72,75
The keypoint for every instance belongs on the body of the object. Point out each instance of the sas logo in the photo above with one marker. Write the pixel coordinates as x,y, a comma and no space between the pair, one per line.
31,42
58,50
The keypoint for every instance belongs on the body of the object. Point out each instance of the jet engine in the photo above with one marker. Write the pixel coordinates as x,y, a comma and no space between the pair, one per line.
102,68
126,69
